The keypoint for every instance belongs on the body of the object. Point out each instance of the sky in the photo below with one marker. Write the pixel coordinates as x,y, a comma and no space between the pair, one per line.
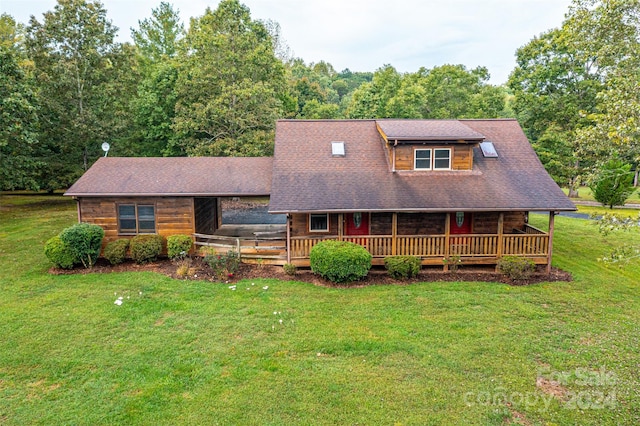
364,35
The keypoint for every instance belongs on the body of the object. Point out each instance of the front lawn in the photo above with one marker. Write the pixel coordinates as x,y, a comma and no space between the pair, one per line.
276,352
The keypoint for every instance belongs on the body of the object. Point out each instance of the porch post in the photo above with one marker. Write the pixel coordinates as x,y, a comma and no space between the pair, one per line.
394,233
288,245
500,234
447,226
552,216
340,226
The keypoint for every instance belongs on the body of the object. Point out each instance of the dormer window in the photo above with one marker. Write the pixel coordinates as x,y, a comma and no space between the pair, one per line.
432,159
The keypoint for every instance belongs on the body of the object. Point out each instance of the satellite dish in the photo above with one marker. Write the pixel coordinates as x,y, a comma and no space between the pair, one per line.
105,148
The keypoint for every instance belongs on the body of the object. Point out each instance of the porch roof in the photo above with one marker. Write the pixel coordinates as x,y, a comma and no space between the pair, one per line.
175,176
307,178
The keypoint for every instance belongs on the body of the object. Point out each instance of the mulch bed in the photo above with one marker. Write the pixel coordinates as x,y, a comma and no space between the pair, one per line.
200,271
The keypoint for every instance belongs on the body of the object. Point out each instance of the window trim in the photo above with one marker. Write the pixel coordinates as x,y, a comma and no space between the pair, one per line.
416,159
137,218
326,215
448,159
432,158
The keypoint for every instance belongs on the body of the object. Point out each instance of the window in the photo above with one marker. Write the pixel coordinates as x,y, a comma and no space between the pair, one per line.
423,159
442,159
136,218
319,222
432,159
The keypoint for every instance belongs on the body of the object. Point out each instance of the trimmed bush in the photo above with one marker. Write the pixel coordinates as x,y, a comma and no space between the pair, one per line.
59,253
178,246
116,251
85,242
145,248
402,267
340,261
516,268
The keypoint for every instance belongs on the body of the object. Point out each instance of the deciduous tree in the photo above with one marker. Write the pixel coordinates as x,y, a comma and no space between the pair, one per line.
230,85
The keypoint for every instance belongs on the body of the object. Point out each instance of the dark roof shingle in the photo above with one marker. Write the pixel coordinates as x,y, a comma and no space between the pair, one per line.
306,178
176,176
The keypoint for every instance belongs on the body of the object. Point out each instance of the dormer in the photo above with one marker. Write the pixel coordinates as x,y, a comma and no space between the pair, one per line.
429,145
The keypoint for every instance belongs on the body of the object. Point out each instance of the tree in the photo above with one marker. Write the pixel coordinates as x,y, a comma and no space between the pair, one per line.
84,78
230,85
153,112
448,91
153,106
613,183
18,125
158,36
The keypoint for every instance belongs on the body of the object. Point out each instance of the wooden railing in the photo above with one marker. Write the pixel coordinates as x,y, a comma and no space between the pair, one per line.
250,248
525,245
531,243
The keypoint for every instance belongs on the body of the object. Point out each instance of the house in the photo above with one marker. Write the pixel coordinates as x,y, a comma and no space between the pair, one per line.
439,189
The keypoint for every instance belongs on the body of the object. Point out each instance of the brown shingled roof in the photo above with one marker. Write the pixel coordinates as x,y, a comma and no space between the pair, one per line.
176,176
428,130
306,178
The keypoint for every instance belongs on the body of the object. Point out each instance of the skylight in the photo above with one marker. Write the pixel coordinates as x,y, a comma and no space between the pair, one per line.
488,150
337,149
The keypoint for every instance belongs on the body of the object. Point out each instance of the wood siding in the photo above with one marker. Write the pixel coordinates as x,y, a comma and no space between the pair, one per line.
174,215
300,225
462,156
421,223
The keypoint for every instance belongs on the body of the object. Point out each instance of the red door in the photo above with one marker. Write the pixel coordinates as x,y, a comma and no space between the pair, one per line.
357,224
460,223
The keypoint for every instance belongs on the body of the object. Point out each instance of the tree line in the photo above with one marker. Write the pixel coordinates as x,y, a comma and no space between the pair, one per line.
217,88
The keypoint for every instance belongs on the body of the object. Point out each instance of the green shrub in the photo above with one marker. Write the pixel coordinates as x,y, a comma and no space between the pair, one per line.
178,246
289,268
340,261
145,248
223,265
402,267
516,268
85,241
116,251
59,253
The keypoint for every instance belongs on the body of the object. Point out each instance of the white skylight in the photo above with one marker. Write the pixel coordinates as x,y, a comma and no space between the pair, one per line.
337,149
488,150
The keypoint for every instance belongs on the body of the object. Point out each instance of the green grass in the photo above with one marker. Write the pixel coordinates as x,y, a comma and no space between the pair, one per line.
189,352
585,194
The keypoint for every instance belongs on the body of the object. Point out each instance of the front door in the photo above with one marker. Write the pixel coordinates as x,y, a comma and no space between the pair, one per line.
357,224
460,223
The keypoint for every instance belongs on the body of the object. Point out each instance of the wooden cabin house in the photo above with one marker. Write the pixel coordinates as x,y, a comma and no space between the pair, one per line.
442,190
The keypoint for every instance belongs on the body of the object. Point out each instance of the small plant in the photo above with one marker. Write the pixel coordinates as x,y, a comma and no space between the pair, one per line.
454,262
178,246
85,242
116,251
516,268
289,269
59,253
402,267
223,265
145,248
184,267
340,261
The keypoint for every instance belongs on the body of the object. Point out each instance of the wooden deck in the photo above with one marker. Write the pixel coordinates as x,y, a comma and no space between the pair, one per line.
268,245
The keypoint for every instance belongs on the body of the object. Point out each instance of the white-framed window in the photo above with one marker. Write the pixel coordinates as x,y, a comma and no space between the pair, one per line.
136,218
432,159
442,159
319,222
422,159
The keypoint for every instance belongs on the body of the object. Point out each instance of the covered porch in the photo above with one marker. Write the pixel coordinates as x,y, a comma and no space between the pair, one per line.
438,248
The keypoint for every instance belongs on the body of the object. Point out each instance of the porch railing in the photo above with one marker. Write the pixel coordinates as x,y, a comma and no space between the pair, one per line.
467,246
